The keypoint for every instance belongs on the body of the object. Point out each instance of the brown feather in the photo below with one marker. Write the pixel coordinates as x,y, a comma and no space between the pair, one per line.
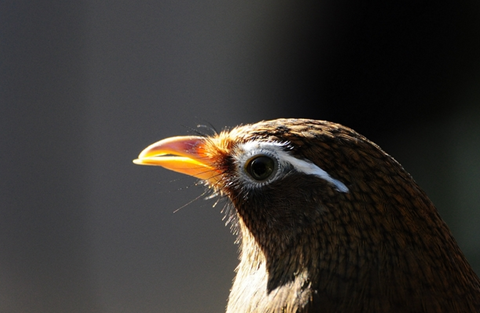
306,247
381,247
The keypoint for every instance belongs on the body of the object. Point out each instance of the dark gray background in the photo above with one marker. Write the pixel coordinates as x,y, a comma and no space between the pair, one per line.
86,85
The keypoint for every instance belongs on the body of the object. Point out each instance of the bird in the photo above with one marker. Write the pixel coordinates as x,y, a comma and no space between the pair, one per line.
326,221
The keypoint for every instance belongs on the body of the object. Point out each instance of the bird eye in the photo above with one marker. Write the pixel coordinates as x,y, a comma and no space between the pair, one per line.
260,167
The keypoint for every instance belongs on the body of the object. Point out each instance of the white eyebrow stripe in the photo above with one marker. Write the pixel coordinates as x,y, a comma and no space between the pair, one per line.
303,166
311,169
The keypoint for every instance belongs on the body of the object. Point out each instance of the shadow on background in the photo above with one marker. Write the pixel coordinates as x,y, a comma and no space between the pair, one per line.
86,85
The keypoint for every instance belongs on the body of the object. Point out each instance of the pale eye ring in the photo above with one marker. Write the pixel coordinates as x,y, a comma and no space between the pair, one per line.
261,167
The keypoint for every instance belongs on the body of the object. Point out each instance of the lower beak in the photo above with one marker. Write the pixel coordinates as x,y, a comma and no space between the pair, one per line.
184,154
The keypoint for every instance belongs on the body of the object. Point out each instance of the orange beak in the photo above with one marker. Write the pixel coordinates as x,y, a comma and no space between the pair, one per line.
183,154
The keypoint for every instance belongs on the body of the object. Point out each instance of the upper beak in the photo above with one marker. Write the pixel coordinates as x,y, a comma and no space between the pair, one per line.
183,154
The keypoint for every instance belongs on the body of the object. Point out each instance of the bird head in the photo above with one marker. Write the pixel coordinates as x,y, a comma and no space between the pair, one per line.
321,209
289,177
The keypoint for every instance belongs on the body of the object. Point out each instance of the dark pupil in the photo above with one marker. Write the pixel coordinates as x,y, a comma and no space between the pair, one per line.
261,167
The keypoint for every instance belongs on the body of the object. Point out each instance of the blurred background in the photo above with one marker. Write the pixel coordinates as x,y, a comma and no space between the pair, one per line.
86,85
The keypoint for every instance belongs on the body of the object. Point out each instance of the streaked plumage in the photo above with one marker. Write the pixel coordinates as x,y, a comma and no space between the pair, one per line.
328,221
